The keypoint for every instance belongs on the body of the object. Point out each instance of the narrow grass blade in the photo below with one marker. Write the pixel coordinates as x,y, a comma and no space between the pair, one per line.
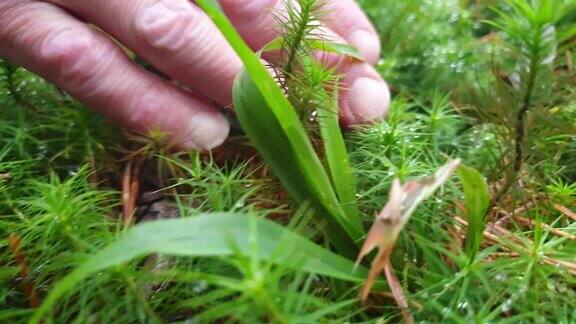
209,235
268,118
337,159
477,203
321,46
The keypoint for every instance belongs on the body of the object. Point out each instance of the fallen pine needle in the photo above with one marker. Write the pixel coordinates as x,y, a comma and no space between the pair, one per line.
515,212
555,231
565,211
515,245
130,189
16,248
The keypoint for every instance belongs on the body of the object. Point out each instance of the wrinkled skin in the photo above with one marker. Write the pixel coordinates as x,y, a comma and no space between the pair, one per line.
57,39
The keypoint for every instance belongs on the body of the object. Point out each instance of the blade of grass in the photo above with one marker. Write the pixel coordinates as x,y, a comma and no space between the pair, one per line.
477,203
209,235
337,158
319,45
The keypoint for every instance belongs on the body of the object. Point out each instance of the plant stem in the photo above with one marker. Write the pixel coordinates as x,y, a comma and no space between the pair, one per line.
527,101
300,34
521,117
520,135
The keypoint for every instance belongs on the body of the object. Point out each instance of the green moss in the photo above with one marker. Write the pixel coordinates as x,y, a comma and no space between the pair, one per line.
456,94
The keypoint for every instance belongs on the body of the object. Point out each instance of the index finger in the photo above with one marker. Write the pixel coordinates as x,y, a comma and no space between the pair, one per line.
347,19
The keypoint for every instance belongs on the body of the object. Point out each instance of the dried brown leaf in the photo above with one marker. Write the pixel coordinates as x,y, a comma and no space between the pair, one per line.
403,200
570,214
15,244
397,292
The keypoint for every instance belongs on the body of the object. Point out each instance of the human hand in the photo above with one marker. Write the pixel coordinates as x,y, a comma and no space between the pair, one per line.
53,39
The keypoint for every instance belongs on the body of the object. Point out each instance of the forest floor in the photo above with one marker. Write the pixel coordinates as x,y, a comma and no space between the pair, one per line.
461,72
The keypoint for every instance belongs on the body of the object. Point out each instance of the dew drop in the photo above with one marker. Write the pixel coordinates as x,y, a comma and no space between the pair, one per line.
506,305
200,287
501,276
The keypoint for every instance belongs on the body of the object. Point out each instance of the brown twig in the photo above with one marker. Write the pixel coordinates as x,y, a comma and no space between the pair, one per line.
493,230
570,214
130,189
489,235
523,247
503,255
570,266
16,248
555,231
515,212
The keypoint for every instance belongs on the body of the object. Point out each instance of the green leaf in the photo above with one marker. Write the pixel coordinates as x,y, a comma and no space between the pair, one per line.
273,126
477,203
337,159
302,174
319,45
209,235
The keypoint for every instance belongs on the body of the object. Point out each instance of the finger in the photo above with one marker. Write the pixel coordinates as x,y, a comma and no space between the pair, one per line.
255,20
85,63
173,35
364,96
343,17
346,19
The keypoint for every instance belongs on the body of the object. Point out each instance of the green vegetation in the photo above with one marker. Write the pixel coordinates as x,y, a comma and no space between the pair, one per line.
274,240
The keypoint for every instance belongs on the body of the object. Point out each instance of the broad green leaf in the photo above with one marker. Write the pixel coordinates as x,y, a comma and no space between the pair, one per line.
477,203
320,45
265,132
272,124
336,48
205,236
337,158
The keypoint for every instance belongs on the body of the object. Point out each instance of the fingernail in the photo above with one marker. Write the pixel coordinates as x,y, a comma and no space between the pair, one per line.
206,131
367,44
368,99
